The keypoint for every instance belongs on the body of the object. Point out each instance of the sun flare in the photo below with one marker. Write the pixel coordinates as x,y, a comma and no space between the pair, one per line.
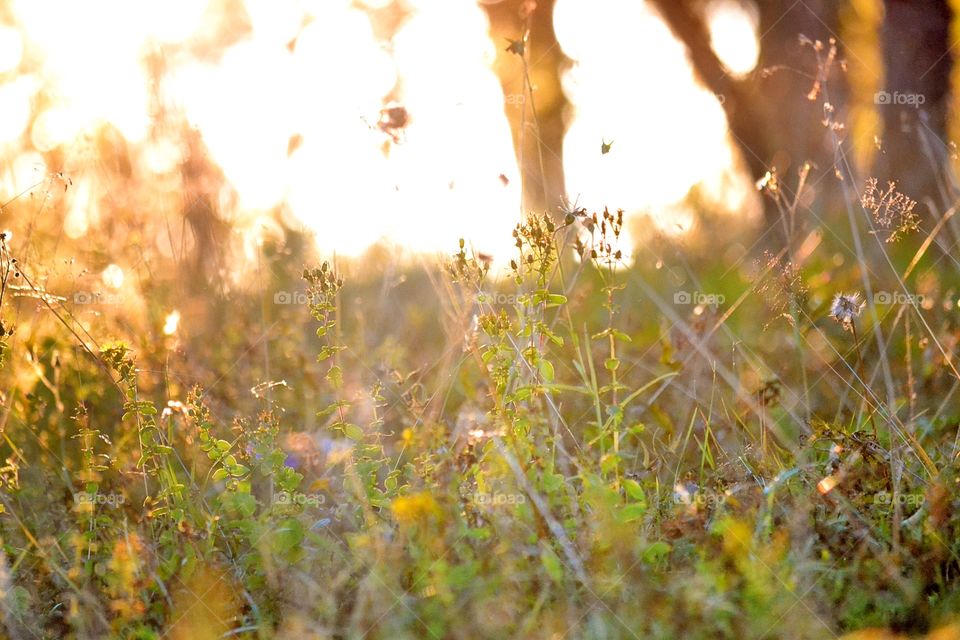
290,102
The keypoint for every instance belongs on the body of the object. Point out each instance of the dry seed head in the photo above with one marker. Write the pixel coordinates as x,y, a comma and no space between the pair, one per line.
892,210
769,184
845,308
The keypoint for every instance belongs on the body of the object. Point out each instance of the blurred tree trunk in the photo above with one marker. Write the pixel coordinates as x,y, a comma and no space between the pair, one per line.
776,113
536,120
211,234
915,101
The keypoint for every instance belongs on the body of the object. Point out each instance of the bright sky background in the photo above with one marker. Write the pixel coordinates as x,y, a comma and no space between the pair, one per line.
67,68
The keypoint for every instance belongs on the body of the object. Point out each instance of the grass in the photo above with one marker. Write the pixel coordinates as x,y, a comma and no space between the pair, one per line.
701,444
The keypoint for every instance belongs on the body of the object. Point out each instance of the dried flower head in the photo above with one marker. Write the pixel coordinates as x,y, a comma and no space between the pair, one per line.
892,210
769,184
603,246
469,268
535,242
571,210
845,308
826,57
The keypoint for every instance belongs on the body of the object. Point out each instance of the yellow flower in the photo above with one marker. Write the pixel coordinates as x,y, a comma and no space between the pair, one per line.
414,508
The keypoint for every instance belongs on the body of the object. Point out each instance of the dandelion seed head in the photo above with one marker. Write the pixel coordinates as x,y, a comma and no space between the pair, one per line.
845,308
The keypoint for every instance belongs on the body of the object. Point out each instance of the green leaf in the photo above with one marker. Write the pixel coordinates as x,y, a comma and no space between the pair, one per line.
521,394
289,479
353,432
554,338
656,551
220,474
243,504
609,462
552,564
546,370
335,376
634,490
552,481
326,352
632,512
289,535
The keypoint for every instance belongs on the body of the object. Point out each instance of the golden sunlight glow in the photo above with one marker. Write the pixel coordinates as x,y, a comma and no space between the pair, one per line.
666,133
733,35
112,277
15,107
293,111
346,178
458,142
11,48
20,176
80,209
92,68
171,323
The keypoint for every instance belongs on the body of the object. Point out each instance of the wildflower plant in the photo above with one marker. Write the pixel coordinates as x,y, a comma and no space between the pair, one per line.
890,209
845,309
